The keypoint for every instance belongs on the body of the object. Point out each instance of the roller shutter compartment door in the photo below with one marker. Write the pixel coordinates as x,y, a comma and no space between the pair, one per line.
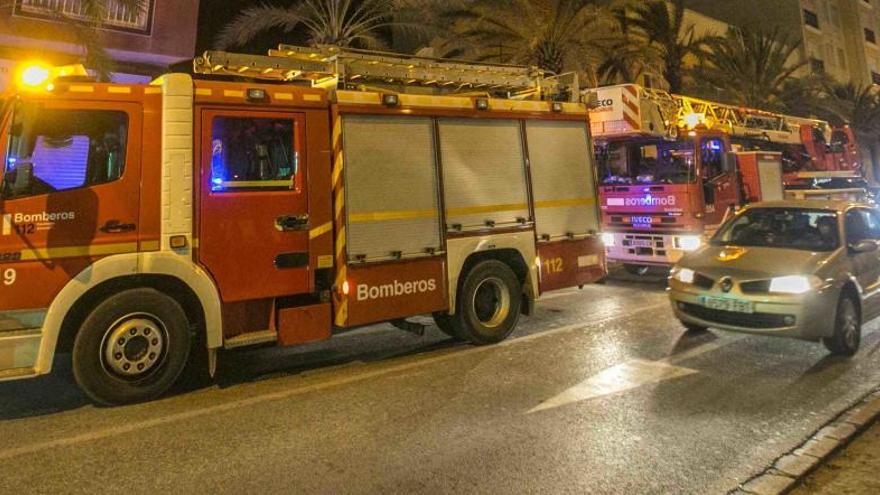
483,173
563,186
391,188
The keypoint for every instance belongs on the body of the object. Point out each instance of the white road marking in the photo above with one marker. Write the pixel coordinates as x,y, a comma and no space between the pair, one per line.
288,393
631,375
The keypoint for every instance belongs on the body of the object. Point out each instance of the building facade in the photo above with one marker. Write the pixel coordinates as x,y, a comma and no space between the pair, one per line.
142,43
838,37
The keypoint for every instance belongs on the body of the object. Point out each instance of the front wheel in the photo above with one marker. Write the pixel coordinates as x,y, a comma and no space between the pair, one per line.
847,337
489,303
132,347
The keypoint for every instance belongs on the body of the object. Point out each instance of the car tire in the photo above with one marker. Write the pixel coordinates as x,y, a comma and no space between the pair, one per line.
488,304
637,270
443,320
847,336
132,347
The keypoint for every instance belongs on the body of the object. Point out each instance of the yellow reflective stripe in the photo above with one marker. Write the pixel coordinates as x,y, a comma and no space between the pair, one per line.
561,203
122,90
78,251
319,231
475,210
229,93
81,89
150,245
204,92
384,216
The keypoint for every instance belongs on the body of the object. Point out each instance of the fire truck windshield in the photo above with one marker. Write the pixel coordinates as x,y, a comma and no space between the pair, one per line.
53,150
661,162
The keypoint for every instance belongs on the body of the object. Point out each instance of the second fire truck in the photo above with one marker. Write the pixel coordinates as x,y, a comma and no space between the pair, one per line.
671,167
276,200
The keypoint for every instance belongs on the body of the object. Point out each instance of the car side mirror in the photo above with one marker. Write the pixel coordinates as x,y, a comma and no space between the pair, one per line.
863,246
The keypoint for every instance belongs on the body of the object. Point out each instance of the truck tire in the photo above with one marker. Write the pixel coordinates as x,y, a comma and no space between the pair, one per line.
489,302
443,320
132,347
847,336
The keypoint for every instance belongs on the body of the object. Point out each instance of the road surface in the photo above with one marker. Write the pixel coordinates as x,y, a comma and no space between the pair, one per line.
600,392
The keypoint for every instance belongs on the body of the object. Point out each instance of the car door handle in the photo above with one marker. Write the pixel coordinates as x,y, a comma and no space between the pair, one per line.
117,227
288,223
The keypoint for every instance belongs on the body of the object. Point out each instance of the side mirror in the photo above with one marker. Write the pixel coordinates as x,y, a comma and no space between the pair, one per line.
19,179
864,246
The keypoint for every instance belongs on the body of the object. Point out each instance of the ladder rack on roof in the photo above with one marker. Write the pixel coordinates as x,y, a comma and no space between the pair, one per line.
335,67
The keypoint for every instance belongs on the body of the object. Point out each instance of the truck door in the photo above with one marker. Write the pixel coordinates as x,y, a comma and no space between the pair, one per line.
70,195
253,212
720,187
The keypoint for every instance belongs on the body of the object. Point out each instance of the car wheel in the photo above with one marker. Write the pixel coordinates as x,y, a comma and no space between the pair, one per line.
132,347
443,320
847,337
637,270
488,304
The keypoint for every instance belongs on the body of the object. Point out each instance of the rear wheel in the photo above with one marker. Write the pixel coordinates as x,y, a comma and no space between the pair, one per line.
638,270
847,337
132,347
489,302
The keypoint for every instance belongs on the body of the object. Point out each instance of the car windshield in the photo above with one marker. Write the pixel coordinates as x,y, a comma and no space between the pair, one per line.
785,228
647,163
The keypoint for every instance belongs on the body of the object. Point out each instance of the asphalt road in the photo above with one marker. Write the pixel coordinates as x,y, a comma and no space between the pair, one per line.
600,392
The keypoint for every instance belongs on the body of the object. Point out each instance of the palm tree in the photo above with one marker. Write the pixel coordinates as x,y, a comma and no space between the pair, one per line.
750,67
626,54
554,35
87,28
363,23
858,107
662,27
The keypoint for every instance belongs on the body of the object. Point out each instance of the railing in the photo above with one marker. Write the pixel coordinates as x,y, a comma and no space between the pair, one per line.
116,15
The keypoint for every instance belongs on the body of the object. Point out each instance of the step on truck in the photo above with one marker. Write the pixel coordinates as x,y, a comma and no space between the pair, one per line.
277,200
671,167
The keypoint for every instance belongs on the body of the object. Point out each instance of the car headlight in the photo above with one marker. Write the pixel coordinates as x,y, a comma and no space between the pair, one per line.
688,242
684,275
608,239
794,284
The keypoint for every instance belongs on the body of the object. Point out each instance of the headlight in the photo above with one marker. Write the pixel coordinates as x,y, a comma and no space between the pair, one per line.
608,239
794,284
684,275
688,242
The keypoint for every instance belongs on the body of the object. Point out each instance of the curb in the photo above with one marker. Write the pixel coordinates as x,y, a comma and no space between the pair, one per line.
788,471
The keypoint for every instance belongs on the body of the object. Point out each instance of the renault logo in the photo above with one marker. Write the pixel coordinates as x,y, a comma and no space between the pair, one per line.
727,285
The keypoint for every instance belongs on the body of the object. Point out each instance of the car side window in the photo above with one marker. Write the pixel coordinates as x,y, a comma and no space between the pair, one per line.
862,224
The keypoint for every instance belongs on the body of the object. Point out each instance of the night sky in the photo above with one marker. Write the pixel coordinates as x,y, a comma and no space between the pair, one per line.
214,14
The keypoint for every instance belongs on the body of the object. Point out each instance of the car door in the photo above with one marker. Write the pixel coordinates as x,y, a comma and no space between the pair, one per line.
864,224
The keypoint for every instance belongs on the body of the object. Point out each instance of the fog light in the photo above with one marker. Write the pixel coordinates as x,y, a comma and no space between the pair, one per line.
789,321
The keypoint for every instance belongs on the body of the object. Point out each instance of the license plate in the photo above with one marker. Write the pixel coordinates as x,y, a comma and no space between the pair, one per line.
732,305
642,243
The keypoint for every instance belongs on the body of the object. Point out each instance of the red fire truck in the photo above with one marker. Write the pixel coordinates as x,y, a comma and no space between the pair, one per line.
276,200
671,167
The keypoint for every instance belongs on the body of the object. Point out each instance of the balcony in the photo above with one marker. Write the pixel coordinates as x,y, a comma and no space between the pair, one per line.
116,17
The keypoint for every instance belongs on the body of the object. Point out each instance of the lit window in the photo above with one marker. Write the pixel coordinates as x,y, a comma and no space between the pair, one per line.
251,153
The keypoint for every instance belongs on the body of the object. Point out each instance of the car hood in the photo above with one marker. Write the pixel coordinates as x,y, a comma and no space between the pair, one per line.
755,262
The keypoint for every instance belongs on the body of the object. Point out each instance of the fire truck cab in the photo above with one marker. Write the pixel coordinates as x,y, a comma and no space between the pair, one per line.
147,225
672,167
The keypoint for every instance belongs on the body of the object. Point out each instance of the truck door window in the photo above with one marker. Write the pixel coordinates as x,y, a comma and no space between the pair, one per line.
649,163
60,150
253,154
712,157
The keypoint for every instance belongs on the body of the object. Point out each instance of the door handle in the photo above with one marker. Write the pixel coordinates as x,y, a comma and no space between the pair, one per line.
117,227
287,223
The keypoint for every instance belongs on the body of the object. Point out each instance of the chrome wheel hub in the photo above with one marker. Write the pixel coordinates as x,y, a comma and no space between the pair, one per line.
134,345
491,302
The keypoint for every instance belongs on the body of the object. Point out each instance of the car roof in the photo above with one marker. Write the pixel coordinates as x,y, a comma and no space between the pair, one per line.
811,204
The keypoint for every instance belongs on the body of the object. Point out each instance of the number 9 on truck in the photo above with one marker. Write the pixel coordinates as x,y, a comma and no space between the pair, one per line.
9,276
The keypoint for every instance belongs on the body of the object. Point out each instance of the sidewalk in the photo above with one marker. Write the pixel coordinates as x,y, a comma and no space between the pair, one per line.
853,471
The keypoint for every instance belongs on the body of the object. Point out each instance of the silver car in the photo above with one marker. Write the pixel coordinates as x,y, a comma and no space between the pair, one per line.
803,269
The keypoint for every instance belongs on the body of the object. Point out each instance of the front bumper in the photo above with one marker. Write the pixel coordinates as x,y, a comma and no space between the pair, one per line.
644,248
20,339
806,316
